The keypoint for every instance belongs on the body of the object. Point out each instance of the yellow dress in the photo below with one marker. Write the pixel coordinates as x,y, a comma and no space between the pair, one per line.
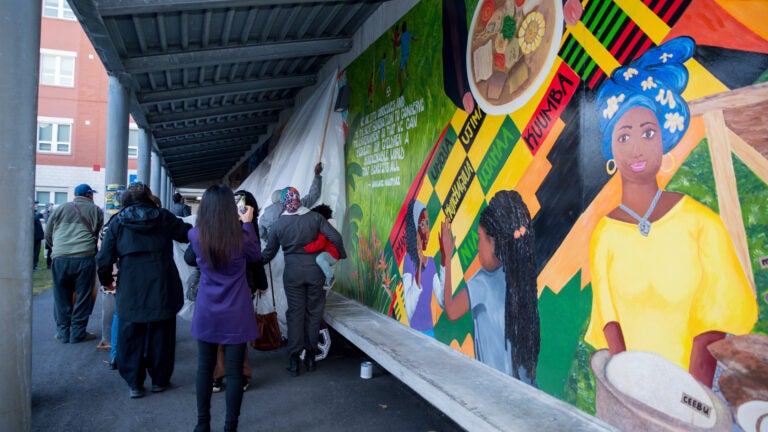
682,280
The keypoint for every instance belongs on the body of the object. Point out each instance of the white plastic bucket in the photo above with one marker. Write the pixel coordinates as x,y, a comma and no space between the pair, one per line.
366,370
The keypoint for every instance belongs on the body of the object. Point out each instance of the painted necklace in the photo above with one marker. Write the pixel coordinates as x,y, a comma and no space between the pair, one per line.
643,225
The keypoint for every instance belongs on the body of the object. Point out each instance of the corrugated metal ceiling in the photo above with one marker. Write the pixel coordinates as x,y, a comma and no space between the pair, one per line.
208,78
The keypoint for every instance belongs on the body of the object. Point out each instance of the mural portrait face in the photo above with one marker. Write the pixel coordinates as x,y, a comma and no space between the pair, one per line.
423,230
486,250
637,146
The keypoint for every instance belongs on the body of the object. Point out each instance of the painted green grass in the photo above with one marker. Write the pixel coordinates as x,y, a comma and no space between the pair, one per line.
370,271
696,179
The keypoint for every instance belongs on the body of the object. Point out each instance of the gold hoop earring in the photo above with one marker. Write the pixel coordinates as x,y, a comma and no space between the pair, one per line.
610,167
672,165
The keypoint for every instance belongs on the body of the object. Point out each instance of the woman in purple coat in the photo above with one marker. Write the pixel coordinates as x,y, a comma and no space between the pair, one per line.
223,310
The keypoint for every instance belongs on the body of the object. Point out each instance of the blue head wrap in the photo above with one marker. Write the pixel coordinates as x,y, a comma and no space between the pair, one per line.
654,81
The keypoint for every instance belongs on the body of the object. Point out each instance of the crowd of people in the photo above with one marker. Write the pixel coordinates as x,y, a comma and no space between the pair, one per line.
131,256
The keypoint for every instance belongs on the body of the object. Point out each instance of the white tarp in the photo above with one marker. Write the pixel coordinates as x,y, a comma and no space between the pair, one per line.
292,162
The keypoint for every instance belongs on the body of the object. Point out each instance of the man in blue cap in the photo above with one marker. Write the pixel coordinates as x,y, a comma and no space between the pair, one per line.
71,233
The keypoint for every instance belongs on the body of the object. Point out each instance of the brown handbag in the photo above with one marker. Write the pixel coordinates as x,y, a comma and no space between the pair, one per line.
269,330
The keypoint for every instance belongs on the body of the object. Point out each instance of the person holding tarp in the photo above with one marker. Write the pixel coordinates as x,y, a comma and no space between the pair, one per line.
303,280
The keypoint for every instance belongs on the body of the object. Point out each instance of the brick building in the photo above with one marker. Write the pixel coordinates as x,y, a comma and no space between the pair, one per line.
72,110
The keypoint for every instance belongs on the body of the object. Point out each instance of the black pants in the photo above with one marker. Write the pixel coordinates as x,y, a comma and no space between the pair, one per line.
233,367
146,348
36,251
306,302
72,275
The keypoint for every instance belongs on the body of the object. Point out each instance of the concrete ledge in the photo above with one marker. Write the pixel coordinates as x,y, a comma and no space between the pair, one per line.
474,395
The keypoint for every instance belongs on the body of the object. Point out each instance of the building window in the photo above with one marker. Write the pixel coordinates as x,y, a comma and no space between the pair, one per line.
46,197
54,135
133,141
57,9
57,68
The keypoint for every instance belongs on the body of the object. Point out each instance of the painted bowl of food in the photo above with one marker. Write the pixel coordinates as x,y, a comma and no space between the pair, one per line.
511,47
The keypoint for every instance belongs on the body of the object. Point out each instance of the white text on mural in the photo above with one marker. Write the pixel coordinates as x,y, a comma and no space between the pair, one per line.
380,140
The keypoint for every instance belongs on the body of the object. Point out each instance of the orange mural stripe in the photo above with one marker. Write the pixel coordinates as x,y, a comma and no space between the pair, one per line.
753,14
538,169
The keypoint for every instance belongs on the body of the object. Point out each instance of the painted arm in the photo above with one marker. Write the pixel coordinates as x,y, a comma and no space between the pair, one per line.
411,293
456,306
615,338
703,364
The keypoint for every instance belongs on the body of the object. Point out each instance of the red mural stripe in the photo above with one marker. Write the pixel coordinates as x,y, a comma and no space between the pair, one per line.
622,40
597,78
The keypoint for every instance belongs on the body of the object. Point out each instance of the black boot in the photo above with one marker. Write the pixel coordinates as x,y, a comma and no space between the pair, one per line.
293,365
309,360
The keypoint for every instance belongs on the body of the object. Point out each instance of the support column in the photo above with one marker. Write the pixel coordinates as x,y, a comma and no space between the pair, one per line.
161,186
168,191
154,182
117,137
142,163
19,58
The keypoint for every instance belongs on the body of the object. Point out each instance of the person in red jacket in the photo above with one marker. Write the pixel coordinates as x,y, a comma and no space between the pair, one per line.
328,255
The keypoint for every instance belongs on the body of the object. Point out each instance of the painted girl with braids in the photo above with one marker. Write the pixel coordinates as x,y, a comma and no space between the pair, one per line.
420,275
502,294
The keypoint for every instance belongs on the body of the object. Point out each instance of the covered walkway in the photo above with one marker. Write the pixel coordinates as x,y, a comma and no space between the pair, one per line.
73,390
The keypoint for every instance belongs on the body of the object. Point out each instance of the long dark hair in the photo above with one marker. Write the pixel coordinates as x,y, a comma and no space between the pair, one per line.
137,192
411,231
505,218
250,200
220,232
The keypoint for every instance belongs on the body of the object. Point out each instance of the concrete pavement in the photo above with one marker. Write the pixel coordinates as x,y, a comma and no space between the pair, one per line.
73,390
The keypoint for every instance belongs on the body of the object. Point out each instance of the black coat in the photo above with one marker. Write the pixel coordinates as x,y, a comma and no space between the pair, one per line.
140,239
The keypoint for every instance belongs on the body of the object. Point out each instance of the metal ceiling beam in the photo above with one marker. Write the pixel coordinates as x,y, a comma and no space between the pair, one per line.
225,164
226,89
205,148
207,154
200,114
196,180
127,7
224,142
205,127
218,56
190,169
181,159
169,144
198,170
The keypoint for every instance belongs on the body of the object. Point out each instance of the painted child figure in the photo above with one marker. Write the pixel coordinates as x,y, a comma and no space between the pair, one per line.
328,255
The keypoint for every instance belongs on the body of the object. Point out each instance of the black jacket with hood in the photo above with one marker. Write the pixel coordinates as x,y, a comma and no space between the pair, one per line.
139,239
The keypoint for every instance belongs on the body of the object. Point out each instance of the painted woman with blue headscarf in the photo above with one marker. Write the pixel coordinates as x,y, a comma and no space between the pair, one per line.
665,275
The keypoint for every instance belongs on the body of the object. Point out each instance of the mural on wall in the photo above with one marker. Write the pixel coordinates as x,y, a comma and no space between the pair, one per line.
573,193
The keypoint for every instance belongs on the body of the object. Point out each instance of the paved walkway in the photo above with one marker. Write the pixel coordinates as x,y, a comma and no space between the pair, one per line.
72,390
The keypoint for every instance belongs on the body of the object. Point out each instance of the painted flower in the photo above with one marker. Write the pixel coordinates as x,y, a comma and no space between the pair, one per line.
665,56
648,83
629,73
613,105
674,122
666,98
